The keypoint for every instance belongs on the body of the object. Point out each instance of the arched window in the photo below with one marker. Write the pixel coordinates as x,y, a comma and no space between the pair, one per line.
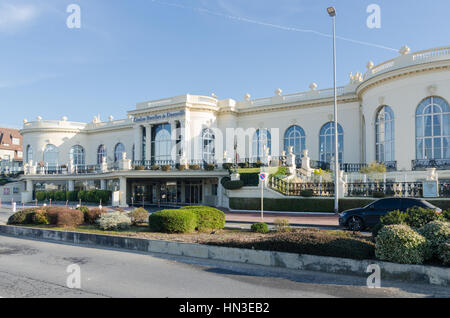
327,144
385,135
101,153
133,154
118,150
29,153
162,143
433,129
295,137
51,155
78,155
261,142
209,145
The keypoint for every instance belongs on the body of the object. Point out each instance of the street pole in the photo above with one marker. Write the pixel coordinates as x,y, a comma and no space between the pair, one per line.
332,13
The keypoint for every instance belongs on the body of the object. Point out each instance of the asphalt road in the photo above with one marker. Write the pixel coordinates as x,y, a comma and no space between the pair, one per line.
31,268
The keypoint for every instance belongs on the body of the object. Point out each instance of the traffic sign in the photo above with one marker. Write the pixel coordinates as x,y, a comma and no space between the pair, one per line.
262,176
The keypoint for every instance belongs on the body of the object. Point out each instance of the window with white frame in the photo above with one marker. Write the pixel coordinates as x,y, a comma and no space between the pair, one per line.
327,142
295,137
385,135
209,146
433,129
118,150
261,142
78,155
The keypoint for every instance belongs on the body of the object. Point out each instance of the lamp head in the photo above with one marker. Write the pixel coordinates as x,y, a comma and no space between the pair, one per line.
331,11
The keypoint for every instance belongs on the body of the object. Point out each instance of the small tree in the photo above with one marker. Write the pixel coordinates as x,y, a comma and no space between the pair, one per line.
374,170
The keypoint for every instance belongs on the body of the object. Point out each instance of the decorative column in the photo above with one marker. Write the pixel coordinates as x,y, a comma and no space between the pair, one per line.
123,193
220,193
103,184
174,136
71,185
138,143
104,165
148,142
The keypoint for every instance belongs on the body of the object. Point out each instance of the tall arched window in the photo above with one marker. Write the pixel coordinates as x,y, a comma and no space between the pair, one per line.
101,153
327,144
209,145
133,154
29,153
261,141
162,145
51,155
433,129
295,137
118,150
78,155
385,135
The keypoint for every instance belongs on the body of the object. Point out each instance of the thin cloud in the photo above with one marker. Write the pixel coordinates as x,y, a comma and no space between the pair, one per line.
14,16
272,25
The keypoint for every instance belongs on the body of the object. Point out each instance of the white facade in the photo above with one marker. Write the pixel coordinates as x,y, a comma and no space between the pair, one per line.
401,84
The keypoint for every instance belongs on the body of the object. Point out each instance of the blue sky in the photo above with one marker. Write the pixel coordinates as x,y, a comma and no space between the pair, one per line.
129,51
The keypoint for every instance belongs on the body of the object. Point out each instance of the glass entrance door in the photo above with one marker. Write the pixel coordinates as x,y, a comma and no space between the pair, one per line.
193,192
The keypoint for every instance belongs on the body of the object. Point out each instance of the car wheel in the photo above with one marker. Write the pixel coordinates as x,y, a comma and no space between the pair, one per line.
355,224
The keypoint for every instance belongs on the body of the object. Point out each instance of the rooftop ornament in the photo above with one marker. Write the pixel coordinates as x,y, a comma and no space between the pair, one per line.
404,50
247,97
278,92
313,86
64,118
370,65
38,118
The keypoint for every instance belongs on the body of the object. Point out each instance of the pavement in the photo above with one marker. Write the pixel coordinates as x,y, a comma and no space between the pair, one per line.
35,269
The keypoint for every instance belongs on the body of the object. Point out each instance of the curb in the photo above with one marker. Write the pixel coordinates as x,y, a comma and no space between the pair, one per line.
407,273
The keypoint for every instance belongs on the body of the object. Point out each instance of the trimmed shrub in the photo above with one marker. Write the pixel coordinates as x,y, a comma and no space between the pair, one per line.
262,228
378,195
394,217
282,225
436,233
82,195
308,193
155,167
114,221
233,185
250,179
41,196
40,217
208,218
210,167
376,229
139,168
194,167
72,196
311,242
83,209
418,217
181,167
91,216
297,205
400,244
166,168
66,217
139,215
21,217
173,221
227,166
446,214
243,165
444,254
60,196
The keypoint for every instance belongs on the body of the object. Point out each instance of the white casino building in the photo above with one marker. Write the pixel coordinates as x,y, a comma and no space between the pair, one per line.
397,113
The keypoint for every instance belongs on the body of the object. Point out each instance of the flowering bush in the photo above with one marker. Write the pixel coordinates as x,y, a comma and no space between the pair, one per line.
139,215
437,234
401,244
40,217
114,221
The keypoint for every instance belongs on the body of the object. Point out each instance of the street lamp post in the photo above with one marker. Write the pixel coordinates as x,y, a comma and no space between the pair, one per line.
332,13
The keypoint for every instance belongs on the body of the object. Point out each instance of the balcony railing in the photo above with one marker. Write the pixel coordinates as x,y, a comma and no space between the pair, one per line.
423,164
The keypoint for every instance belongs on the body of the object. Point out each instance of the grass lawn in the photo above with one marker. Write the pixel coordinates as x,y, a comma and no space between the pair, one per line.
301,241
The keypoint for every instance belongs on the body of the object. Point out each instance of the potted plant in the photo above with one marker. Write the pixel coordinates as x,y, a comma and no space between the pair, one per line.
155,167
194,167
210,167
139,168
166,168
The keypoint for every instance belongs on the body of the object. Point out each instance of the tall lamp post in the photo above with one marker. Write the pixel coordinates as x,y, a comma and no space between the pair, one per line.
332,13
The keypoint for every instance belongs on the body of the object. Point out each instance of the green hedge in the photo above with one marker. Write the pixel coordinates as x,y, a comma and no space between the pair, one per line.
173,221
296,205
91,196
310,204
250,179
208,218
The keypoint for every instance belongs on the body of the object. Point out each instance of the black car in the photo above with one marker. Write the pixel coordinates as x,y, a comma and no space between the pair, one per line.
359,219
